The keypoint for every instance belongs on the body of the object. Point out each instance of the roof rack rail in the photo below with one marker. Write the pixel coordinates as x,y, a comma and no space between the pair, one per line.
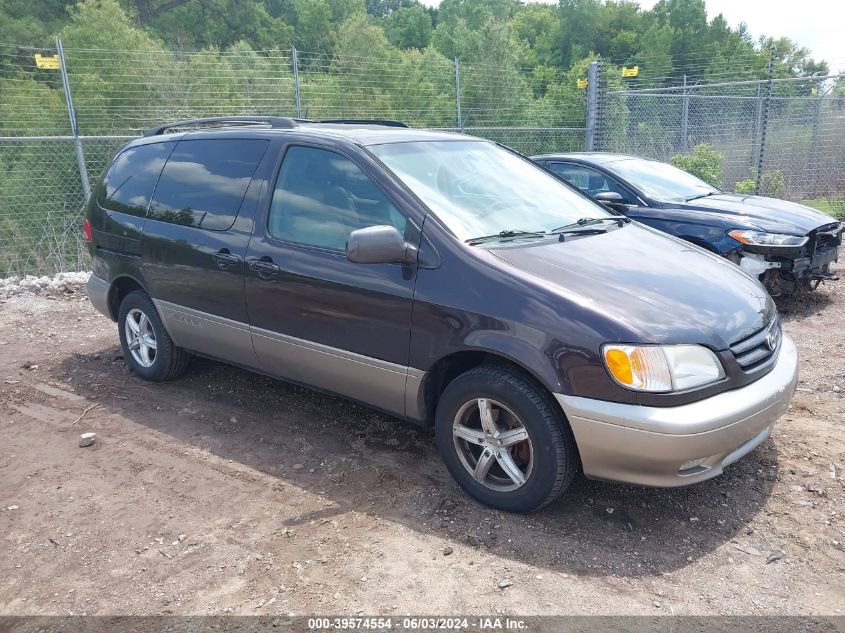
384,122
272,121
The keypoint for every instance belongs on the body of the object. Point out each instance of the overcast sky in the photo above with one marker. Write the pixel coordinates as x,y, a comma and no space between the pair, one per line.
817,24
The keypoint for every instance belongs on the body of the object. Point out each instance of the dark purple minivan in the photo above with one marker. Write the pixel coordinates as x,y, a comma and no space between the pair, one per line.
446,280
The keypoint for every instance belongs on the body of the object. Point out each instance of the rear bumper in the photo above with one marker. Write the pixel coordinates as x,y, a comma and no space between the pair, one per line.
650,445
98,292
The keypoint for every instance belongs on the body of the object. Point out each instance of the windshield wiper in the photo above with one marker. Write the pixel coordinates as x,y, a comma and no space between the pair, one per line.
585,222
703,195
504,235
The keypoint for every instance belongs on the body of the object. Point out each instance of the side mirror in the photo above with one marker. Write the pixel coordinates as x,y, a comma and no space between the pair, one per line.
609,197
612,199
379,245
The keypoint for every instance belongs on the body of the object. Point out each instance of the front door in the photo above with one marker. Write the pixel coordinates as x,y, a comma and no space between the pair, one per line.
316,317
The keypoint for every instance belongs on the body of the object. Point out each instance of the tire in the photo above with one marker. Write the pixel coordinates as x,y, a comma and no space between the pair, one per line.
547,463
154,357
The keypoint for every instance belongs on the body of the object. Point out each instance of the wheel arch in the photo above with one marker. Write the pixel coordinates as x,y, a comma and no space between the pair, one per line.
121,286
698,241
449,367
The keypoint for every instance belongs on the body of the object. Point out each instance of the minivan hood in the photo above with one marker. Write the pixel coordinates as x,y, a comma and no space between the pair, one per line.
657,289
769,214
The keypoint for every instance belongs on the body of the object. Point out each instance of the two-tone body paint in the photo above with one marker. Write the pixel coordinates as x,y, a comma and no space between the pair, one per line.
546,306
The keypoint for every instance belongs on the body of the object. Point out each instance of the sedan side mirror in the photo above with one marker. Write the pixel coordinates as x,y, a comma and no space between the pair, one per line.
613,200
609,197
379,245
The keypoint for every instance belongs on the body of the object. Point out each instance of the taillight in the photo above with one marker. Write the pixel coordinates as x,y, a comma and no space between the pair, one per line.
86,226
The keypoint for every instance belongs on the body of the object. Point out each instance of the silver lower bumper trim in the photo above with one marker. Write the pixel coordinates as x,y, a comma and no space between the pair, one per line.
648,445
98,292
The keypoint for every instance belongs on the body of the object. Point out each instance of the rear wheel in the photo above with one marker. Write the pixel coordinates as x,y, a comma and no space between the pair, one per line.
504,439
146,345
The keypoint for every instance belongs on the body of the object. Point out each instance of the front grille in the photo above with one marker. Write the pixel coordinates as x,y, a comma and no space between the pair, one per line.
758,349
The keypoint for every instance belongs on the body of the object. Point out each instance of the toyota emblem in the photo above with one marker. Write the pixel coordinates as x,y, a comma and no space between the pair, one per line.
772,340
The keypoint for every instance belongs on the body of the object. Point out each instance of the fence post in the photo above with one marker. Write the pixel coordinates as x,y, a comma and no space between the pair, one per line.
755,129
764,124
80,156
814,162
591,123
458,121
685,120
294,59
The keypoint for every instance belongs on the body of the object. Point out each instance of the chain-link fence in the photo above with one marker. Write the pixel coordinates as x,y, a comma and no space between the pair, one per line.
41,198
793,128
116,95
63,114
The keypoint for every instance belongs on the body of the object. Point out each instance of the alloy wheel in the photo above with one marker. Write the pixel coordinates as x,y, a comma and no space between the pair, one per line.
493,444
140,337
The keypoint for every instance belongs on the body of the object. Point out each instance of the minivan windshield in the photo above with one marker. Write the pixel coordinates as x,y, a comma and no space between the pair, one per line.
479,189
661,181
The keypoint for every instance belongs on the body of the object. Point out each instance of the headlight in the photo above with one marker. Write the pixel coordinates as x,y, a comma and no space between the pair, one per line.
760,238
662,368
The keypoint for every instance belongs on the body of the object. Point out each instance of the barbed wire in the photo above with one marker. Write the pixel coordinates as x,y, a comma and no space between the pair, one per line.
117,94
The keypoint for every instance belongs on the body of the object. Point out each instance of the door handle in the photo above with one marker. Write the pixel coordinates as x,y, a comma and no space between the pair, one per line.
224,259
264,266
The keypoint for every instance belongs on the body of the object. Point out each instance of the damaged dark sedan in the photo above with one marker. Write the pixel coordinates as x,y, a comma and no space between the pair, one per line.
788,246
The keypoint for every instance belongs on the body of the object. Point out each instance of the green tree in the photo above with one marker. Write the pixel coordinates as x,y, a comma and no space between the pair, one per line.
578,19
313,19
383,8
537,27
655,56
28,23
409,27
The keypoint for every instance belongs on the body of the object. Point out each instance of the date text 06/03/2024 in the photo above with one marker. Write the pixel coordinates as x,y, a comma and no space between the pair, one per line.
416,623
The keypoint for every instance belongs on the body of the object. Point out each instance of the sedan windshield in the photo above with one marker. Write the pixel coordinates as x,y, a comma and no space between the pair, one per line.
481,190
661,181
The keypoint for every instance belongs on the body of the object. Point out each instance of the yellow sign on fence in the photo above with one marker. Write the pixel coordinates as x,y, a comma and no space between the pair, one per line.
48,63
630,72
581,83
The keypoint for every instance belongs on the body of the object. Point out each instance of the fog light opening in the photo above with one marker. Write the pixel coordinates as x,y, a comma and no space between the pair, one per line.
693,466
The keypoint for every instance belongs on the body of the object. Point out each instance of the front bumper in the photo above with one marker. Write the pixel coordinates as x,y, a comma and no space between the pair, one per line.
649,445
798,267
821,261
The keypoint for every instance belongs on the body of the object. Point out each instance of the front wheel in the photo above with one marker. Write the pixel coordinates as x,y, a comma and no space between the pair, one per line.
504,439
146,345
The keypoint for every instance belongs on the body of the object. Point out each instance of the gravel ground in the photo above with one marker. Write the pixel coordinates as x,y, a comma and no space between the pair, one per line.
227,492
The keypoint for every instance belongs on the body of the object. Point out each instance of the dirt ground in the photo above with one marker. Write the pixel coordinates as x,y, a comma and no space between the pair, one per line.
227,492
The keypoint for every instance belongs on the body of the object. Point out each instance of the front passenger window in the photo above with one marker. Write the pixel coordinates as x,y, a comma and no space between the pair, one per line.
588,180
321,197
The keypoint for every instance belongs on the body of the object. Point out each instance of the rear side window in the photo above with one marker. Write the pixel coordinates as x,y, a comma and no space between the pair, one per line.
131,178
204,182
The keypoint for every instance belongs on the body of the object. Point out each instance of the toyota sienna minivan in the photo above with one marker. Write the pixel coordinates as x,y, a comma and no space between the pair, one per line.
446,280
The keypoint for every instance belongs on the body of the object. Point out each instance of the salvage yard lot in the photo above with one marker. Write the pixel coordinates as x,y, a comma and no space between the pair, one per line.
227,492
